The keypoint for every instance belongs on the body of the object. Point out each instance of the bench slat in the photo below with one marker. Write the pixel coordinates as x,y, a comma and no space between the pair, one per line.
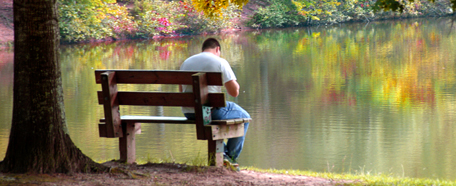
159,77
176,120
220,132
163,99
155,119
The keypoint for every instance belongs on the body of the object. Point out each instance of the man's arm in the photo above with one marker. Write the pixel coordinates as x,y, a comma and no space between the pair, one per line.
232,87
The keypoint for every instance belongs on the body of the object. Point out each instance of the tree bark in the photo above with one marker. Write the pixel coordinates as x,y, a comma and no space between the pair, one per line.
39,140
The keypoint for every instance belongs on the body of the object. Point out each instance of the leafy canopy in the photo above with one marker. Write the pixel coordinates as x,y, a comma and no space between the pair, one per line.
213,8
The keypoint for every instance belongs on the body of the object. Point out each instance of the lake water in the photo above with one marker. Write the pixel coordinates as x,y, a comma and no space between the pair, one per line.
370,98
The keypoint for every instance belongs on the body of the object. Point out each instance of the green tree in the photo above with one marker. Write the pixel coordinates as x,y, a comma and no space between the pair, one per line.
399,5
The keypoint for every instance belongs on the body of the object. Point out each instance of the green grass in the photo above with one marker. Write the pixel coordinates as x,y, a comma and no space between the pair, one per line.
361,178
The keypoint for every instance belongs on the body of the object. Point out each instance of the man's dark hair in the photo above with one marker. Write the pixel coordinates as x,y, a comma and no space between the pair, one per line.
210,43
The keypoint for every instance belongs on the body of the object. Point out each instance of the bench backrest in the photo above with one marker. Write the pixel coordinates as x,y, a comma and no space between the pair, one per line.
111,98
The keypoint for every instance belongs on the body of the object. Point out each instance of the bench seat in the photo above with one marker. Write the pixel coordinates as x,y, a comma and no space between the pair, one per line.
220,129
177,120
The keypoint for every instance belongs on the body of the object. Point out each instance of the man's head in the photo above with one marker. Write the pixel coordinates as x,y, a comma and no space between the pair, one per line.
211,45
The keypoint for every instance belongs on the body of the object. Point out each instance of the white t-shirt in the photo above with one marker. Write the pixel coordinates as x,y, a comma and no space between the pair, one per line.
206,62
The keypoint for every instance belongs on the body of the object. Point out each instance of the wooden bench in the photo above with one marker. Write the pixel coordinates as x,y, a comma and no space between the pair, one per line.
125,127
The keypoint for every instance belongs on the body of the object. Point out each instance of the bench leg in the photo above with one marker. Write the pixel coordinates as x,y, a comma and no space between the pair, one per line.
215,152
127,144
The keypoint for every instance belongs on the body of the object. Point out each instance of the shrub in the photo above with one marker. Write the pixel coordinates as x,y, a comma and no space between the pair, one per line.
85,21
279,14
156,17
117,18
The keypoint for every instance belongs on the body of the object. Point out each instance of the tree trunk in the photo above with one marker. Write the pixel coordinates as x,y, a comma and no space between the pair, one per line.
39,141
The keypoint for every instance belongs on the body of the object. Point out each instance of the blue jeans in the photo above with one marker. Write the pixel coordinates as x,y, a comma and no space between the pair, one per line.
232,111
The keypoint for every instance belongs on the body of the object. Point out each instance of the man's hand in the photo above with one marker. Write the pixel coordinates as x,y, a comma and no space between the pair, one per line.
232,87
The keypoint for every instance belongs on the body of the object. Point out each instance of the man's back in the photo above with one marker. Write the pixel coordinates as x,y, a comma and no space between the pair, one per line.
207,62
203,61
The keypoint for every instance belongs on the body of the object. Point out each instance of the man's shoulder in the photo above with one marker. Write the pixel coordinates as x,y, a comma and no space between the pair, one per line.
194,56
205,56
191,59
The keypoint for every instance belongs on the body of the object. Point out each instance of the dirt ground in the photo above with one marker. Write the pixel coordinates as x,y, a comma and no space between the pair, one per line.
165,174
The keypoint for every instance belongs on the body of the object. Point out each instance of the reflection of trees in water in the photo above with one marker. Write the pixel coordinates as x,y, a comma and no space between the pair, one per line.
126,55
6,68
364,84
391,62
6,97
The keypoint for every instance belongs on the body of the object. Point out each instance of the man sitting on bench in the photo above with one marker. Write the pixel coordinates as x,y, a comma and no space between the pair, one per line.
210,61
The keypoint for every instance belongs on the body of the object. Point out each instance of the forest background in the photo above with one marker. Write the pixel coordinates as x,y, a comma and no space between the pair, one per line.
89,20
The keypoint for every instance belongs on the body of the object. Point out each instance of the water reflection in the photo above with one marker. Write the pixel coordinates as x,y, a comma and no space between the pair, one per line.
355,97
6,98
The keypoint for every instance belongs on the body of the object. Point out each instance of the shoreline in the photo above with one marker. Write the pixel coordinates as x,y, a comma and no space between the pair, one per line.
7,35
7,27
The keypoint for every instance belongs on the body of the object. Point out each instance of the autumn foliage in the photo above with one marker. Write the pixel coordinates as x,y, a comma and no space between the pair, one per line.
213,8
96,20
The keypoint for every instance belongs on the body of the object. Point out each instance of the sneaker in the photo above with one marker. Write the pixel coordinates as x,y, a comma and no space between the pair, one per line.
230,163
